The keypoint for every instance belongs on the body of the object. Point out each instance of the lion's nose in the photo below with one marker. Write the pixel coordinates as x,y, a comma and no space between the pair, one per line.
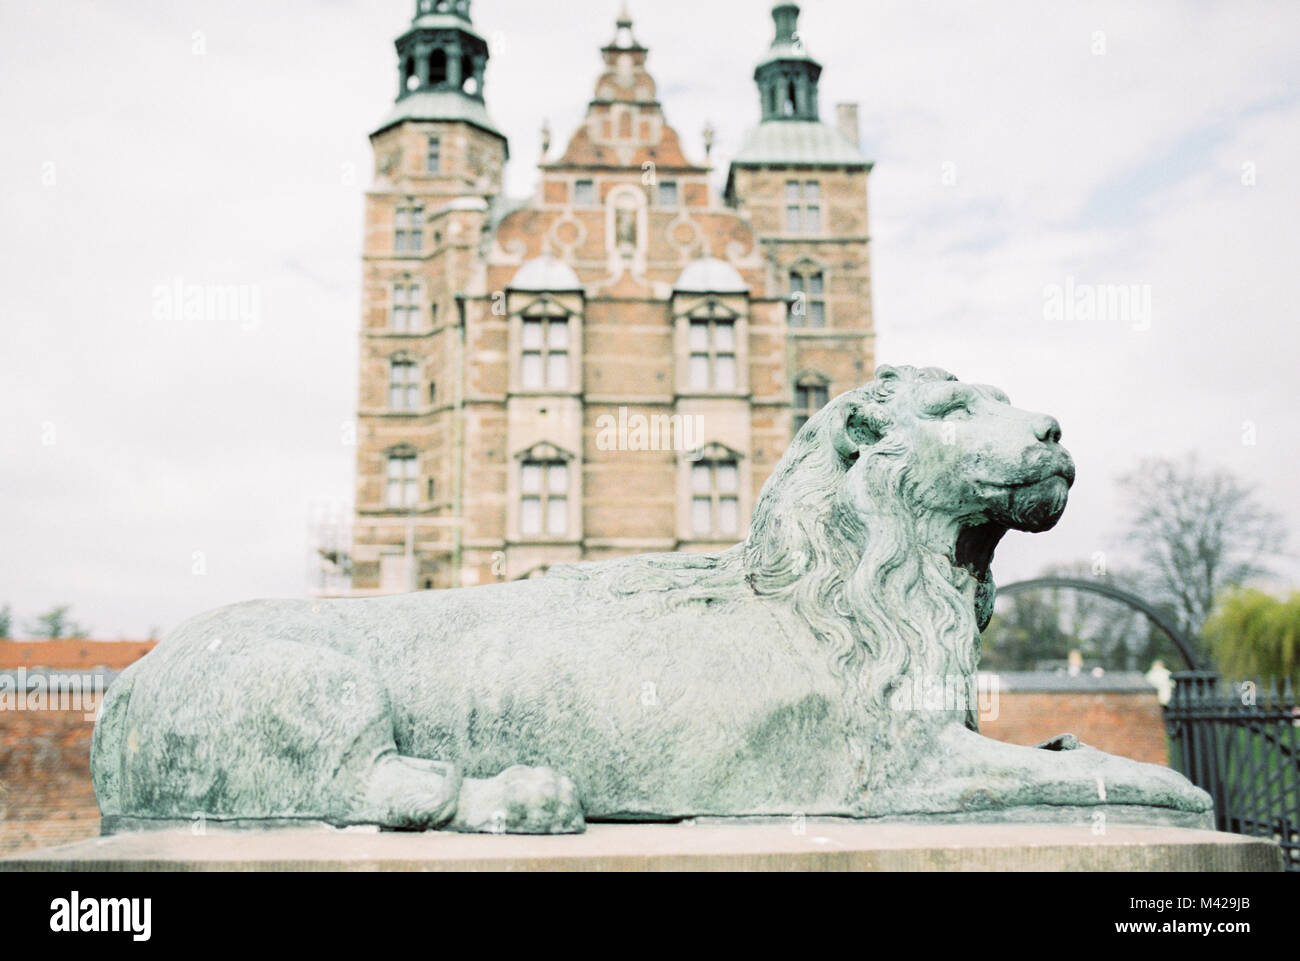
1048,430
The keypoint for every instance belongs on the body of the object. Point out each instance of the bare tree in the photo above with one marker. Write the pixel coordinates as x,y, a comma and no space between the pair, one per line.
1198,531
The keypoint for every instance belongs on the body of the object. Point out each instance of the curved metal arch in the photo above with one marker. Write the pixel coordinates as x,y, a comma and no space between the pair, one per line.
1115,594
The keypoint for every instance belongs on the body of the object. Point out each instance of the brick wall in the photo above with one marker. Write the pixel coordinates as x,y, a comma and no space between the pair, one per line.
45,792
1129,723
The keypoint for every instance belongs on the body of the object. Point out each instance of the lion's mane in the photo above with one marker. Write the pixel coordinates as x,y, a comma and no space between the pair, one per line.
889,612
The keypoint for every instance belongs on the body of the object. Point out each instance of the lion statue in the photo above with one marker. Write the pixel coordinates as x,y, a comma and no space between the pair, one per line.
777,677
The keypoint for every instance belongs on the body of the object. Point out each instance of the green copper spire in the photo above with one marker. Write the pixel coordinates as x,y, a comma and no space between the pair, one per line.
787,76
441,62
441,52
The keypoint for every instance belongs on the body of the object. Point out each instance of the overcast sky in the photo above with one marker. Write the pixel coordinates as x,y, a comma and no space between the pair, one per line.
154,466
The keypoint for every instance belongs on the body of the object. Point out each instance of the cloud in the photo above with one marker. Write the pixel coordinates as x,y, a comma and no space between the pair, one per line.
244,165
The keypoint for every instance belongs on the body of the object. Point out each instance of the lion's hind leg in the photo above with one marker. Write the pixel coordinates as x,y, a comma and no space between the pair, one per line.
404,793
280,730
374,783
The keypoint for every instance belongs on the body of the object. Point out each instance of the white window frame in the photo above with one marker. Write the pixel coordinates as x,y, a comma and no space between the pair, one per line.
545,493
803,207
713,347
807,297
546,350
403,384
408,306
408,229
715,499
401,483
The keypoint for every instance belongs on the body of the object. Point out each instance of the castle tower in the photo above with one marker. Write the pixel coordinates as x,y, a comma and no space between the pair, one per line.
615,364
803,185
439,166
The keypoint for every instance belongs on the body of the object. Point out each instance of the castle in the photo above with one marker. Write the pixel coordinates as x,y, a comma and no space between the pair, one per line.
615,364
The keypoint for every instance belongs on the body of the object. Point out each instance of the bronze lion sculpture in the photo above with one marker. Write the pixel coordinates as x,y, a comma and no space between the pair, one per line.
773,678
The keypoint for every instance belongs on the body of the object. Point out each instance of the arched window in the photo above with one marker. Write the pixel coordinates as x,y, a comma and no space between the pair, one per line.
437,67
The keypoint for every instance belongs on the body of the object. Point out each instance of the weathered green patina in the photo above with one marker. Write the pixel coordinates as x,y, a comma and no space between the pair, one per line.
783,676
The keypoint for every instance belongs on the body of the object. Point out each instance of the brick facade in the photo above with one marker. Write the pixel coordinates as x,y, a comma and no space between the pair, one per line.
46,796
45,792
1129,723
620,215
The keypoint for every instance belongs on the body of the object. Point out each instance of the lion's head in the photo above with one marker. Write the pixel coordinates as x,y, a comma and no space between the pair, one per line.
921,460
970,455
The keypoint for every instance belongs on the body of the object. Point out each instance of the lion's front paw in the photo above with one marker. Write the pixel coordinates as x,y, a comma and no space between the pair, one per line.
520,800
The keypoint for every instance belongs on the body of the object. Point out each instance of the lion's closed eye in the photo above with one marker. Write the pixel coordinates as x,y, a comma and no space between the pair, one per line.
951,403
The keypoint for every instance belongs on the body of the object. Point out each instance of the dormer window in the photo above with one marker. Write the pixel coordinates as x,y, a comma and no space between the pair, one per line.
712,344
545,361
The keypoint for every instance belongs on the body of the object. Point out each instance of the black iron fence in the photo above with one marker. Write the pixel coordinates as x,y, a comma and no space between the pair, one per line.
1240,740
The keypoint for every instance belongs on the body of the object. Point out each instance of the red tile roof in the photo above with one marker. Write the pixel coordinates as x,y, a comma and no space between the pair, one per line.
72,654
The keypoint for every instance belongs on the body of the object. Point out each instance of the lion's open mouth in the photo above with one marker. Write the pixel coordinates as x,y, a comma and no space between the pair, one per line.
975,546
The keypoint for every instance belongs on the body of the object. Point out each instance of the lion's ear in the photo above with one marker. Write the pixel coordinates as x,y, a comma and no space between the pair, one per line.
861,425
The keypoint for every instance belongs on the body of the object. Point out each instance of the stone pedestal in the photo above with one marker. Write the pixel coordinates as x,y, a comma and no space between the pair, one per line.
816,845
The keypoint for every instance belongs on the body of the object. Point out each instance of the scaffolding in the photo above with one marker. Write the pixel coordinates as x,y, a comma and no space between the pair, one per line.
329,549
